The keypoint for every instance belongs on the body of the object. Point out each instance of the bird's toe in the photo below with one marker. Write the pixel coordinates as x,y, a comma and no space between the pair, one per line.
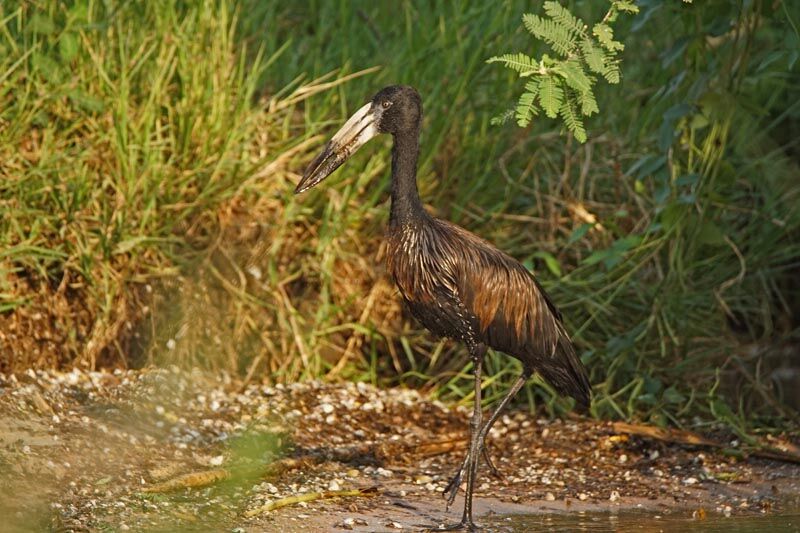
464,525
451,489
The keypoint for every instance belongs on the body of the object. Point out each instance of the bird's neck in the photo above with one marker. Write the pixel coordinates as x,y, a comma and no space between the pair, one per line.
406,204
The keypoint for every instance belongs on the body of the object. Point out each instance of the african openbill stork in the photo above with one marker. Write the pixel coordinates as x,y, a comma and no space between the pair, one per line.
455,283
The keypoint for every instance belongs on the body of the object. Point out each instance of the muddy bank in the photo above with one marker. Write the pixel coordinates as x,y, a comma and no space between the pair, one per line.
159,450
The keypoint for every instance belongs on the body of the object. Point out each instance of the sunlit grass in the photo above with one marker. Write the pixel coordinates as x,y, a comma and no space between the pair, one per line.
149,153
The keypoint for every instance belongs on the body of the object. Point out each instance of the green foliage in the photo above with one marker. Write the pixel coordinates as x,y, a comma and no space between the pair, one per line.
670,243
565,85
128,124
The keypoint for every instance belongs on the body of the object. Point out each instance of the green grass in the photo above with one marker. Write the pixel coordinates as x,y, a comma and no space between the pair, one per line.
149,153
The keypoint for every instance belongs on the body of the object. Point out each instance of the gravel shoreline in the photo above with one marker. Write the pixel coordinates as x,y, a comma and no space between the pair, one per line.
166,449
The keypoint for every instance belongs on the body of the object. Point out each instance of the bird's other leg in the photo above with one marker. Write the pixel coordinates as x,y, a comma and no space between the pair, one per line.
455,481
493,469
470,465
484,431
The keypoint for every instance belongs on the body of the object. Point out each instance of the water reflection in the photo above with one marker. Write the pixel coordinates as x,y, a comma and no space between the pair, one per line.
646,521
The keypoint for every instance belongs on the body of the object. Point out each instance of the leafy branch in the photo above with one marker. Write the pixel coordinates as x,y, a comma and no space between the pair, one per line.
564,85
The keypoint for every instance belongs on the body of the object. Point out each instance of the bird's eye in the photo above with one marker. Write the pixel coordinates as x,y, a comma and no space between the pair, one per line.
386,104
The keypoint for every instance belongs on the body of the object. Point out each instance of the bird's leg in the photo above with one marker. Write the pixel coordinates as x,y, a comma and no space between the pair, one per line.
455,481
493,469
470,464
484,431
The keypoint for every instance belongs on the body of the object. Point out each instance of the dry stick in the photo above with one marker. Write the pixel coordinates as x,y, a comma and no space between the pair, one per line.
681,436
298,338
190,480
344,454
309,497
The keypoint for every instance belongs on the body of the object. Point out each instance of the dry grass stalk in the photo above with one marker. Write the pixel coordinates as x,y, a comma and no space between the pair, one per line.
310,497
190,480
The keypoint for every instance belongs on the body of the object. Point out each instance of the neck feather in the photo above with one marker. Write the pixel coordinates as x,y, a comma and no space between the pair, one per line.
405,197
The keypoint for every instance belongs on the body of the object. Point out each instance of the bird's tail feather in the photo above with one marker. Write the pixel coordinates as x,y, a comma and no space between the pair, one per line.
566,372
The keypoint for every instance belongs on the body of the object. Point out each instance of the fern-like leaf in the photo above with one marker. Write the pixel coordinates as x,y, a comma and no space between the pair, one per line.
502,118
593,55
625,5
611,72
588,103
565,85
561,15
551,95
526,106
520,62
605,35
559,37
573,73
571,118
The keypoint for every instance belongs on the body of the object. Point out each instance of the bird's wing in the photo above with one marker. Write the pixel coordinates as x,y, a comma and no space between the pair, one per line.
514,313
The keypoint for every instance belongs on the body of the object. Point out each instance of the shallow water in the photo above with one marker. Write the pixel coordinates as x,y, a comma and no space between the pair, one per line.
788,520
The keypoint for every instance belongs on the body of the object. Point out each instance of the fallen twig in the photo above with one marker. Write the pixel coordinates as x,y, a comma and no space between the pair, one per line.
346,454
309,497
778,451
677,436
190,480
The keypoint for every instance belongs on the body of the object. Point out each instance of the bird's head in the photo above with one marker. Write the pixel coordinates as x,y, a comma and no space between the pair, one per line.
396,109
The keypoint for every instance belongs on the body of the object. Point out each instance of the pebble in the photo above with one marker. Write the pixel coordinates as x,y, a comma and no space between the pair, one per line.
383,472
192,435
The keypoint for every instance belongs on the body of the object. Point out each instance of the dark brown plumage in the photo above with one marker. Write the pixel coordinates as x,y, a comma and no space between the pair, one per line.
455,283
460,286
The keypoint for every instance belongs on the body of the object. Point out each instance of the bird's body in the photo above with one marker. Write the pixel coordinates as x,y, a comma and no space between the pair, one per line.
456,284
459,286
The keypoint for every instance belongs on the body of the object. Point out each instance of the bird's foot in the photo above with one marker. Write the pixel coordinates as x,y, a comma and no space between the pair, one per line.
455,482
464,525
451,489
